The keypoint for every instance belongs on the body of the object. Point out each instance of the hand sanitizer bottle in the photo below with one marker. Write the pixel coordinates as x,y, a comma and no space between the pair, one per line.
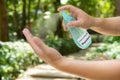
80,36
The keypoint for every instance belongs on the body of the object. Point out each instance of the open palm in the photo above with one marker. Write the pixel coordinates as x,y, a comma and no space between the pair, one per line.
47,54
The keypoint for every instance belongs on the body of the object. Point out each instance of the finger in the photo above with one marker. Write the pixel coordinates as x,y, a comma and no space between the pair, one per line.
68,7
63,25
48,55
27,34
74,24
33,44
29,38
74,14
40,44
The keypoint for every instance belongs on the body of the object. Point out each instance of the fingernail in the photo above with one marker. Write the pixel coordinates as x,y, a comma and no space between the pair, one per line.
25,30
58,9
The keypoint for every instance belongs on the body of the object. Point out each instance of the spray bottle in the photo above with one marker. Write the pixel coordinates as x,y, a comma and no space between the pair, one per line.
80,36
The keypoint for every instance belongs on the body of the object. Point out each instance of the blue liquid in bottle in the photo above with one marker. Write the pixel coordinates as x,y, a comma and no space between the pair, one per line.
80,36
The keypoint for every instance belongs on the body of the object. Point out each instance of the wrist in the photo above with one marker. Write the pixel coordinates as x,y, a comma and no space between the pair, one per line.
98,22
61,64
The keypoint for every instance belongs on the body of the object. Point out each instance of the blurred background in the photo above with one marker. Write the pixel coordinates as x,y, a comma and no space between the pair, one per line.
43,20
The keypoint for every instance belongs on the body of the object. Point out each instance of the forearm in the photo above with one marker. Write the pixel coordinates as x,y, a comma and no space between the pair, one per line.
108,26
96,70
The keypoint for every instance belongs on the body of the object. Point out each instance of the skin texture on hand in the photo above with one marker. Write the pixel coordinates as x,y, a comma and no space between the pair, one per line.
82,19
48,54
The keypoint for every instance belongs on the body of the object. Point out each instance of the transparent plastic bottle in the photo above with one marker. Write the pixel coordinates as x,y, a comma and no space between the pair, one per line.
80,36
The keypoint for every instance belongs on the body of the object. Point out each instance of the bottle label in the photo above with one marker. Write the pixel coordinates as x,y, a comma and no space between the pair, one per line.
84,39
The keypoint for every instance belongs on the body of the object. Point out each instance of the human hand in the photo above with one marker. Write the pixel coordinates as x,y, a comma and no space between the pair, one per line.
83,19
47,54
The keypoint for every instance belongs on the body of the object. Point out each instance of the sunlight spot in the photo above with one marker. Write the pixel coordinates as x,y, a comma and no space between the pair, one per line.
63,1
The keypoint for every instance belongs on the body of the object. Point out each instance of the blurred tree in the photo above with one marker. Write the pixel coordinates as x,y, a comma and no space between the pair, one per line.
117,8
23,13
36,10
59,29
24,18
3,21
29,13
97,8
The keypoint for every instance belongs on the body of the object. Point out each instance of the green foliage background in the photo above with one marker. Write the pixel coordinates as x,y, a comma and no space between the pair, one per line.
96,8
15,57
